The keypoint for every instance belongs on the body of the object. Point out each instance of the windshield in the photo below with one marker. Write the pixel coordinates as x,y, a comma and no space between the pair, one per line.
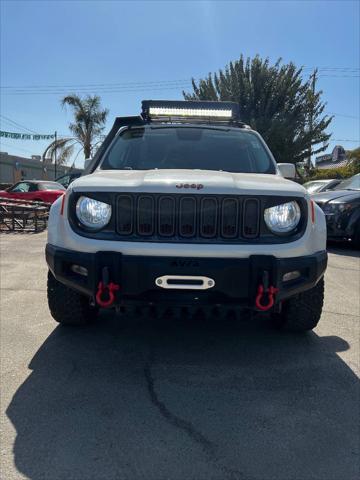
352,183
51,186
147,148
313,187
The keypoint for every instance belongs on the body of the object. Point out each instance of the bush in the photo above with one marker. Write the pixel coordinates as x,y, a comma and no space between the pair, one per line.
354,154
341,172
323,174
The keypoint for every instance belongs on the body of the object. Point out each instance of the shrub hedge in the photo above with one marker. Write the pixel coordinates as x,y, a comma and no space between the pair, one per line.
341,172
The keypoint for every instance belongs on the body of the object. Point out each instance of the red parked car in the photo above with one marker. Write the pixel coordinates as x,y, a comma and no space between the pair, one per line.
37,190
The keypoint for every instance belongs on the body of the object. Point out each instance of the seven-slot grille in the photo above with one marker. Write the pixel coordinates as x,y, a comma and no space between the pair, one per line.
176,217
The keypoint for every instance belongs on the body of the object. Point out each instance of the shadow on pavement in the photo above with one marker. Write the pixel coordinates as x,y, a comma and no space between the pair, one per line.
135,398
344,249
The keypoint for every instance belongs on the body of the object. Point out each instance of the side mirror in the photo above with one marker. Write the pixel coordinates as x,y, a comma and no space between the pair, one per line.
287,170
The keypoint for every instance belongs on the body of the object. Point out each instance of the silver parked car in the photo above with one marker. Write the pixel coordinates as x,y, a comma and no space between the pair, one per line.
317,186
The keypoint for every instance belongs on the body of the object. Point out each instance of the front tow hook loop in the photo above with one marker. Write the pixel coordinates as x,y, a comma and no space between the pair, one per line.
108,290
271,292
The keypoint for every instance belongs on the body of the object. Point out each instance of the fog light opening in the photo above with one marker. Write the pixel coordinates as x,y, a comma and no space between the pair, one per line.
291,276
79,270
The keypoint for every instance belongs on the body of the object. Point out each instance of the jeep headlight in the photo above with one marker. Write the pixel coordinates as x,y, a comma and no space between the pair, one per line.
282,218
92,213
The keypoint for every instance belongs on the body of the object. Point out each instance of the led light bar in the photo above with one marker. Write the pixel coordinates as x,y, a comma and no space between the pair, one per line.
189,112
161,110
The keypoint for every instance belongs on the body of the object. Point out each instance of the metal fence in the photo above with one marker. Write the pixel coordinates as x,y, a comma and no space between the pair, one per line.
24,216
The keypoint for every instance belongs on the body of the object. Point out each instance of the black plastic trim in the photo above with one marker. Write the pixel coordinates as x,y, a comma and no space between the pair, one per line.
236,279
263,235
247,218
203,214
172,214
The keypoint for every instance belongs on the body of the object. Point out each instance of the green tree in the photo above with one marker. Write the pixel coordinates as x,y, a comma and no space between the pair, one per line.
89,122
275,101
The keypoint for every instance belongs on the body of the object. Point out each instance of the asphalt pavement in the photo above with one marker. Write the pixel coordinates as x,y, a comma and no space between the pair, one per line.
133,398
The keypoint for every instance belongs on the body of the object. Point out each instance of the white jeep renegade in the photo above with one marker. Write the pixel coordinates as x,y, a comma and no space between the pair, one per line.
185,205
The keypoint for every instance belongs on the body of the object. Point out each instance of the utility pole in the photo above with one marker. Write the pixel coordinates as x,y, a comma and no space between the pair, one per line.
55,159
311,118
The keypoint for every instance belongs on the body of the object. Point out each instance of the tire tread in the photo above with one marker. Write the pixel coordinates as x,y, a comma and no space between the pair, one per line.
67,306
302,312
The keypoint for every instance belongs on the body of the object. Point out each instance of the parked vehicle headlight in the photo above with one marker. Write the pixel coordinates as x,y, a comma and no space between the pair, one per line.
335,208
92,213
283,218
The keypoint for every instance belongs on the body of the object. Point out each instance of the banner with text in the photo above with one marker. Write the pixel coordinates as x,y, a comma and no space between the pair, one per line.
26,136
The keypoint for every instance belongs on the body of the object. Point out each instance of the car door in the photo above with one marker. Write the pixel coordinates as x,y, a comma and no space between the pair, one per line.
34,192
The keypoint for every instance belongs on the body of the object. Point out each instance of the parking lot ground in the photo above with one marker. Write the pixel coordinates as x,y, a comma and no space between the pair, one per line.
134,398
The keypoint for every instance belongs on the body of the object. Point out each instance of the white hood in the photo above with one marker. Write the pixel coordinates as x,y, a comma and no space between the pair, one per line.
186,181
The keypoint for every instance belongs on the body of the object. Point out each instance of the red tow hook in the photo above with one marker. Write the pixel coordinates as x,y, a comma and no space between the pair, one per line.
271,291
109,291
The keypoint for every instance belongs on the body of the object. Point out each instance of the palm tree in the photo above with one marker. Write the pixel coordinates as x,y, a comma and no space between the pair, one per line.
89,122
61,149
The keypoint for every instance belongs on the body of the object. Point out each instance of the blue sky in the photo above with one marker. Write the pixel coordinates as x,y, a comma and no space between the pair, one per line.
74,44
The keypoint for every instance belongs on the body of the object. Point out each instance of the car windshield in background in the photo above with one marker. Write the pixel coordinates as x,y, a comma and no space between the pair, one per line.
51,186
203,148
313,187
352,183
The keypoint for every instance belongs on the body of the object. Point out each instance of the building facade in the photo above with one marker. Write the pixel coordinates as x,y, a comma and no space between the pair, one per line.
335,159
14,168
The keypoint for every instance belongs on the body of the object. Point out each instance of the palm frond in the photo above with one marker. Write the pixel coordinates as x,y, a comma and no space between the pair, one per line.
62,148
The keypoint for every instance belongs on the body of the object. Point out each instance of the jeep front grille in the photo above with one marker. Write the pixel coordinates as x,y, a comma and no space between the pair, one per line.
190,218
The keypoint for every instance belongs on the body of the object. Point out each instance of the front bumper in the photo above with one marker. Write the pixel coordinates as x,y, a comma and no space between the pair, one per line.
236,279
339,226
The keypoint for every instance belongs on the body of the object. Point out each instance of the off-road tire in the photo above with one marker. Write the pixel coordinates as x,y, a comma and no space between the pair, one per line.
67,306
302,312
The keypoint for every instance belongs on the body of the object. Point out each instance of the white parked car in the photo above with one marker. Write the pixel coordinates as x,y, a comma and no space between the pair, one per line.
185,205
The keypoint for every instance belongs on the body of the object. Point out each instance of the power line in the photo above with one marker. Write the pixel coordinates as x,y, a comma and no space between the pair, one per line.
95,91
18,124
131,86
63,136
150,83
344,140
126,85
22,127
104,90
121,84
8,125
305,67
342,115
339,76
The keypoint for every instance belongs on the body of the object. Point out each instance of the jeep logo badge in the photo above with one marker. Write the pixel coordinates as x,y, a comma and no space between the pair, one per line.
196,186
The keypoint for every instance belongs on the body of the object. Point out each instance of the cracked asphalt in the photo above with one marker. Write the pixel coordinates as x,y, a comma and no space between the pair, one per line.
136,398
